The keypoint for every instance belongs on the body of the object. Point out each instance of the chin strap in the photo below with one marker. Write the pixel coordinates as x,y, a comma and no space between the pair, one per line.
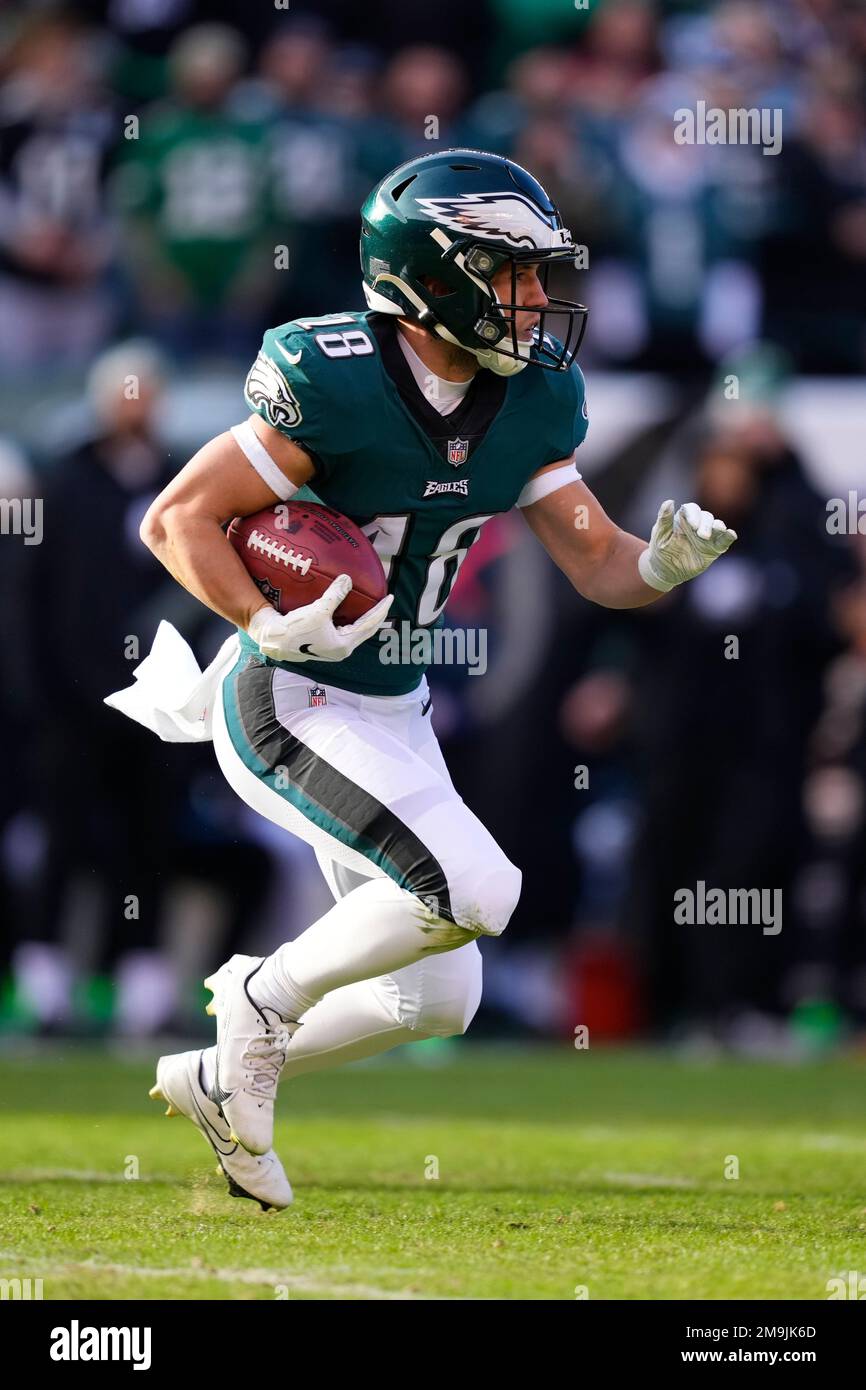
500,362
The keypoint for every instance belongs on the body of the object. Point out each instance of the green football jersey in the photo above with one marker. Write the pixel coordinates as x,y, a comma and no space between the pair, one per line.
198,177
419,484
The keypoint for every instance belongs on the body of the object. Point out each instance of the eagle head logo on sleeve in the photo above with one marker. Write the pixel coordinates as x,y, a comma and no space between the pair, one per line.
267,390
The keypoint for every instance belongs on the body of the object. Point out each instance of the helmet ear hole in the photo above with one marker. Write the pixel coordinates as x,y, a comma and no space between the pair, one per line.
437,288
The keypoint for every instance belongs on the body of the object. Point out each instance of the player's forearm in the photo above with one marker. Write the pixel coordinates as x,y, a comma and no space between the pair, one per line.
612,579
195,550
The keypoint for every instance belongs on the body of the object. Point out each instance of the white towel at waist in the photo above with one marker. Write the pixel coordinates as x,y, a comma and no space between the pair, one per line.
170,694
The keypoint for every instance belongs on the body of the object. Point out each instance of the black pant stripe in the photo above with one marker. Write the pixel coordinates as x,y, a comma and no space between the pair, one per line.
332,800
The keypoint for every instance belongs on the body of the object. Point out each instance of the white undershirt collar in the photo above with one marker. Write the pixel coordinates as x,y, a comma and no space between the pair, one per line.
445,396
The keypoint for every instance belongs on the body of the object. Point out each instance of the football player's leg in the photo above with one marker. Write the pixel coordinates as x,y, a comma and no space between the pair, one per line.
436,997
346,779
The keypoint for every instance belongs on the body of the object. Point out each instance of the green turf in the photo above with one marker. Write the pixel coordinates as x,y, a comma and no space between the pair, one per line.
557,1169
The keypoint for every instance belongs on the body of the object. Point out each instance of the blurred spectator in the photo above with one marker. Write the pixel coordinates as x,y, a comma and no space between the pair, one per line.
537,85
679,290
813,253
515,26
830,885
114,804
193,185
326,148
722,730
424,90
619,56
56,130
143,32
101,792
16,482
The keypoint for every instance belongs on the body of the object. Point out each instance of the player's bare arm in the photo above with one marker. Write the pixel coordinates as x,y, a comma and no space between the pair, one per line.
184,525
184,529
610,566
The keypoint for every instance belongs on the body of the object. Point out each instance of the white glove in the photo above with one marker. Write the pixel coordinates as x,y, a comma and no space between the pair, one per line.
309,634
682,545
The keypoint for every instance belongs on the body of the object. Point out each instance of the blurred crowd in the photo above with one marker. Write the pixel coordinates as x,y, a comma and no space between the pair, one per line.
196,180
175,177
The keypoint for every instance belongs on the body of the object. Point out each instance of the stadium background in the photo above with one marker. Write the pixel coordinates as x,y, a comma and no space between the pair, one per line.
149,247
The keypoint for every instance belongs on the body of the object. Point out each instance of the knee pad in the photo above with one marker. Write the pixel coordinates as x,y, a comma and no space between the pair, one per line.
487,896
483,908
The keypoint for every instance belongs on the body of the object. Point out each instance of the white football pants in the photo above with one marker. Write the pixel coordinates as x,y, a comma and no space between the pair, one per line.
363,781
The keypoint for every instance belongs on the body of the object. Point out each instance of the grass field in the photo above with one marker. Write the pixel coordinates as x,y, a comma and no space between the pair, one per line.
556,1169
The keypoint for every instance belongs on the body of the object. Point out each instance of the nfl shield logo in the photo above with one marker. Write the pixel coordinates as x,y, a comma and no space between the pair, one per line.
458,451
268,590
318,696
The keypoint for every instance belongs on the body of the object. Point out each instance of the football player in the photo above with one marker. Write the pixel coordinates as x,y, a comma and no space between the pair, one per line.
445,403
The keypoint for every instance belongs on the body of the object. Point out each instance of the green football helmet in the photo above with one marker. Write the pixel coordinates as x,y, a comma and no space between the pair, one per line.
457,217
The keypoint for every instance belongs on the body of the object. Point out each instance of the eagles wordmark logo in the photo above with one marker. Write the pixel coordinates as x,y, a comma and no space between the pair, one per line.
267,389
434,489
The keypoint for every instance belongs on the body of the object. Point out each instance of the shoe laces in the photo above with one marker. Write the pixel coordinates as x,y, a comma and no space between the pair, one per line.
264,1058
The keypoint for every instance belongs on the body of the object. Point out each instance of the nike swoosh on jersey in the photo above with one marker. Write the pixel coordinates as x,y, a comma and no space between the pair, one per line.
293,358
306,650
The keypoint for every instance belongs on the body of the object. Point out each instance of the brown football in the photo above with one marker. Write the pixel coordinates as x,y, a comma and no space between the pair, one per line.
294,550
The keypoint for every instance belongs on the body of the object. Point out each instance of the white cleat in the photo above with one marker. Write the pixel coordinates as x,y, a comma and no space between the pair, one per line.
178,1082
251,1052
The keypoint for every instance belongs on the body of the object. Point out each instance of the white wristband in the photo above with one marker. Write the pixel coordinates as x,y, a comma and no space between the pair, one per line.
648,576
255,452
